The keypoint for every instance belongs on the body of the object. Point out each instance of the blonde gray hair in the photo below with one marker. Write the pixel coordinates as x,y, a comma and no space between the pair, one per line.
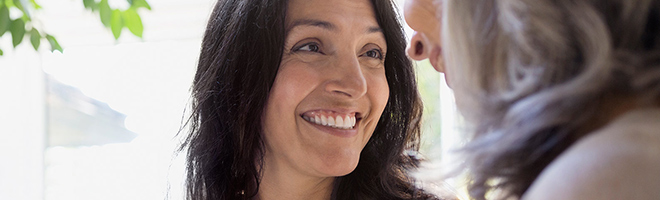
529,73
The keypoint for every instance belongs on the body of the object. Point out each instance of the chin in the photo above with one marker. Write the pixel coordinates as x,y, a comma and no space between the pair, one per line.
339,167
342,172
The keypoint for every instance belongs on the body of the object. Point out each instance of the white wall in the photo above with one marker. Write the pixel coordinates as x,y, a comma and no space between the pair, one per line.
22,123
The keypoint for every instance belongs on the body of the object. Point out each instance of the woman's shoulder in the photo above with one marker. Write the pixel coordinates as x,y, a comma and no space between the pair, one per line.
619,161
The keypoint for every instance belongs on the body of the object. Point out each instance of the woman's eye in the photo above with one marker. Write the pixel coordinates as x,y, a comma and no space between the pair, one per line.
374,53
312,47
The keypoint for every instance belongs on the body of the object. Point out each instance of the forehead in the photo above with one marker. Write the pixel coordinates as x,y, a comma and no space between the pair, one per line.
339,12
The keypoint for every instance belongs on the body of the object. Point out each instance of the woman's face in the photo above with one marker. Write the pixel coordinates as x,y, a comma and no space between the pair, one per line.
330,90
423,17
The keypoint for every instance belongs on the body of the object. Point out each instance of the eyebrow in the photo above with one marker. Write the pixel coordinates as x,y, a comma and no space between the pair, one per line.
374,29
325,25
313,22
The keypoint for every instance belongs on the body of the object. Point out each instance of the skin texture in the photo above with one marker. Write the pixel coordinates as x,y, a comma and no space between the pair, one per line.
332,63
423,16
604,164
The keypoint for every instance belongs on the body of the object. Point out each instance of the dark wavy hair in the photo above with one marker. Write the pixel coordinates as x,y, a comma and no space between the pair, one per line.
534,75
240,56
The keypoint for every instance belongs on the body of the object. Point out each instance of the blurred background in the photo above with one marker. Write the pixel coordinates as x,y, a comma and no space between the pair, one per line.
99,119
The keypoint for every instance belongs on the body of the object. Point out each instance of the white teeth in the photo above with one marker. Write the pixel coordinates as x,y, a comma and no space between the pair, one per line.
345,122
340,122
353,121
331,121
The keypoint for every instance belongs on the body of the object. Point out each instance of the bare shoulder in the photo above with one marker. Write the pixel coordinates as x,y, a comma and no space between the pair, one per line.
620,161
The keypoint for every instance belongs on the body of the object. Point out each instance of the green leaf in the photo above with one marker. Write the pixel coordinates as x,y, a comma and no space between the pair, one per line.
105,12
9,3
133,22
20,5
1,53
17,29
35,5
54,45
140,3
35,38
4,20
116,23
90,4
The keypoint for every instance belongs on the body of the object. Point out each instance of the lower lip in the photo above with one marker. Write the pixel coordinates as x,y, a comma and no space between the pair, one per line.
345,133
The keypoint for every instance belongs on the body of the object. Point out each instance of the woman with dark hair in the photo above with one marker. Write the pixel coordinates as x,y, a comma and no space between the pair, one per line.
564,95
303,99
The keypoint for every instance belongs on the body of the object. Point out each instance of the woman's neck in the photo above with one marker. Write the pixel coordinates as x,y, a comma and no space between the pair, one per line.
610,107
283,183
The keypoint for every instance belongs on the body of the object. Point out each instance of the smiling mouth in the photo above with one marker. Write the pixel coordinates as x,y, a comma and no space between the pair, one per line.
342,121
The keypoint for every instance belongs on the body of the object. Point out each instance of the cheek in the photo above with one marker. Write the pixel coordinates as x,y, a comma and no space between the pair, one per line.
413,13
422,16
379,92
448,80
291,86
448,72
292,83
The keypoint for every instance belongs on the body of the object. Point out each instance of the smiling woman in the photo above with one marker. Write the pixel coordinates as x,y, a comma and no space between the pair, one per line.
303,99
331,69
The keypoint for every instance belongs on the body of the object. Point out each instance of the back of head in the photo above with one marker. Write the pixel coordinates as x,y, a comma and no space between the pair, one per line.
530,73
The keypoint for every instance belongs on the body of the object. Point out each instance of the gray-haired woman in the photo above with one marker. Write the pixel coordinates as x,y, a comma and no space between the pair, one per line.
564,95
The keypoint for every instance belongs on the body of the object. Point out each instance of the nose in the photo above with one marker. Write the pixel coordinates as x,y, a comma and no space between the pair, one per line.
347,78
418,49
